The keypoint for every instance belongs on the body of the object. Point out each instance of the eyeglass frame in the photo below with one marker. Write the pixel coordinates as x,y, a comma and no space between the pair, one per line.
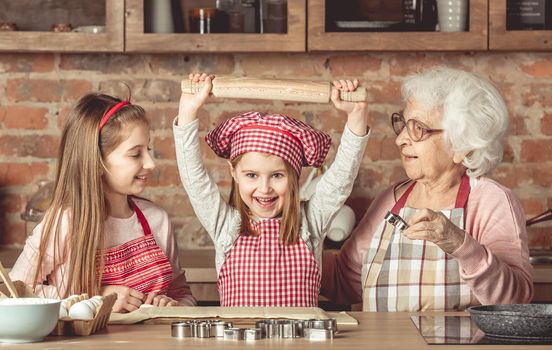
425,129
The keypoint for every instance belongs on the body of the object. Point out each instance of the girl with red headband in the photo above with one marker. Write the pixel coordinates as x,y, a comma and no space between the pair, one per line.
97,237
268,243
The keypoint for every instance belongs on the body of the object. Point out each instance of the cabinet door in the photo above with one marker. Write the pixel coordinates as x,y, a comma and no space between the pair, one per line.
500,38
321,40
137,40
44,40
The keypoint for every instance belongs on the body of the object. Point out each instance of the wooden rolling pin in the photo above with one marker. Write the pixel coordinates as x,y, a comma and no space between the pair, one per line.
273,89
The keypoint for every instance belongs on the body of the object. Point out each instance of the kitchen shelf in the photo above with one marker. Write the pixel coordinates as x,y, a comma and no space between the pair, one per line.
124,21
34,41
473,40
292,41
502,39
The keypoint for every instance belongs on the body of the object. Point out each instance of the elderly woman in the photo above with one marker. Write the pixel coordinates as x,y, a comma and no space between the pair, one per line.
465,242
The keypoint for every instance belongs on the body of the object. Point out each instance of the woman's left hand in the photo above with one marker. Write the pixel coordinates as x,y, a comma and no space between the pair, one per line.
432,226
160,300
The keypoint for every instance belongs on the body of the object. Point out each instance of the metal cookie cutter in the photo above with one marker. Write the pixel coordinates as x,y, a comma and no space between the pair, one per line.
203,330
218,327
252,334
396,221
234,334
181,329
318,334
290,329
269,328
329,323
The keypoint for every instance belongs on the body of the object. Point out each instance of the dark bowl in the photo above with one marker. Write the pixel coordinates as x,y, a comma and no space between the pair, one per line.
532,321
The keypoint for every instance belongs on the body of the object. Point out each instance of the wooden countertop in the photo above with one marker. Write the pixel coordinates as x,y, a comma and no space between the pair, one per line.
375,330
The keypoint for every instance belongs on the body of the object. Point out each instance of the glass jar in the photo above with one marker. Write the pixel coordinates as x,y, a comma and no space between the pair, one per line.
203,20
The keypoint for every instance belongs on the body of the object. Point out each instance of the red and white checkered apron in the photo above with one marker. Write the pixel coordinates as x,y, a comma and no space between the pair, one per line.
263,271
139,264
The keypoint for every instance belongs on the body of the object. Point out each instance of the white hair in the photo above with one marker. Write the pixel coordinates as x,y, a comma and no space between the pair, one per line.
474,115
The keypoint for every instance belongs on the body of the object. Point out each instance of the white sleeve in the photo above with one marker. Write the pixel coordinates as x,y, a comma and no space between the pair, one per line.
336,183
221,221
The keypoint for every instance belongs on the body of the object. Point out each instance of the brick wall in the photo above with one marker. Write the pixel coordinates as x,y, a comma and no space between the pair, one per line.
36,91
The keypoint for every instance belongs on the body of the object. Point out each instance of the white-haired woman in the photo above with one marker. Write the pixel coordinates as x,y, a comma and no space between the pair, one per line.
466,241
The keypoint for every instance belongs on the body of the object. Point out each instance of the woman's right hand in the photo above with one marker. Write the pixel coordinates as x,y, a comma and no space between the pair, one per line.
128,299
191,103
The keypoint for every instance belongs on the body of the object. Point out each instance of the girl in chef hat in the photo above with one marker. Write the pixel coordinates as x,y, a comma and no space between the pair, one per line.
97,237
268,243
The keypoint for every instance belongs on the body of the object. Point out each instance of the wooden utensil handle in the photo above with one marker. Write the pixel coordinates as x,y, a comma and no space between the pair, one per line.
273,89
7,280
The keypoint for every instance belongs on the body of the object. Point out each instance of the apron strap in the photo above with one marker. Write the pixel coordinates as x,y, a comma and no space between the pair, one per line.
461,197
141,217
402,201
463,192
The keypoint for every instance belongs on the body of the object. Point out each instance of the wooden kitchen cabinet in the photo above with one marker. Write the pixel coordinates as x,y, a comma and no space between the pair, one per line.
44,40
473,40
502,39
124,21
139,41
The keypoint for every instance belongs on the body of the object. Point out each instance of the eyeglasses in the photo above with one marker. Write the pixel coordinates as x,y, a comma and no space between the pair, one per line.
416,129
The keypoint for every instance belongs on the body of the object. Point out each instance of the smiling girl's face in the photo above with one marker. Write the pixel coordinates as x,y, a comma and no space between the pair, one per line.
263,183
129,166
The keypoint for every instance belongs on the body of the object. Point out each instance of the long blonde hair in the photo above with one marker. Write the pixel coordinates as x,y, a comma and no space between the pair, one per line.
79,190
291,212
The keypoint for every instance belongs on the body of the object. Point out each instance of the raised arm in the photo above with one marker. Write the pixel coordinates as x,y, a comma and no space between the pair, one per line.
216,216
336,184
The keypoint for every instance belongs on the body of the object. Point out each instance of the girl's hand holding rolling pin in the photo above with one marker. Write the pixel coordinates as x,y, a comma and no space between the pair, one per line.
190,104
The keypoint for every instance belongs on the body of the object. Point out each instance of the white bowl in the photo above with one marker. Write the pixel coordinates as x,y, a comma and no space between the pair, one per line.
24,320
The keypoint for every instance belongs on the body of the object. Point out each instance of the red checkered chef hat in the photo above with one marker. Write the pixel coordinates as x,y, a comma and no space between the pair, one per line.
292,140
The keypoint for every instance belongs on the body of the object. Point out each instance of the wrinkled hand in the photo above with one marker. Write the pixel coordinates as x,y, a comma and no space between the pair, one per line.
432,226
160,300
128,299
191,103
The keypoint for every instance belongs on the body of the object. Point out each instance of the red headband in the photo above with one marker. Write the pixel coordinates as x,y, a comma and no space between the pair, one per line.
109,113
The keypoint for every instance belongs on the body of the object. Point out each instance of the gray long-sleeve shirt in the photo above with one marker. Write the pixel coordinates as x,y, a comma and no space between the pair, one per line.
223,222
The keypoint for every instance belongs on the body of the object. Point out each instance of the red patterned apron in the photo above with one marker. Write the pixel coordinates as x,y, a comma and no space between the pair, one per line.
139,264
263,271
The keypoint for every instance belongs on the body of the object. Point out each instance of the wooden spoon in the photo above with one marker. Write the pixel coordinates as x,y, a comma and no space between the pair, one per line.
7,280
